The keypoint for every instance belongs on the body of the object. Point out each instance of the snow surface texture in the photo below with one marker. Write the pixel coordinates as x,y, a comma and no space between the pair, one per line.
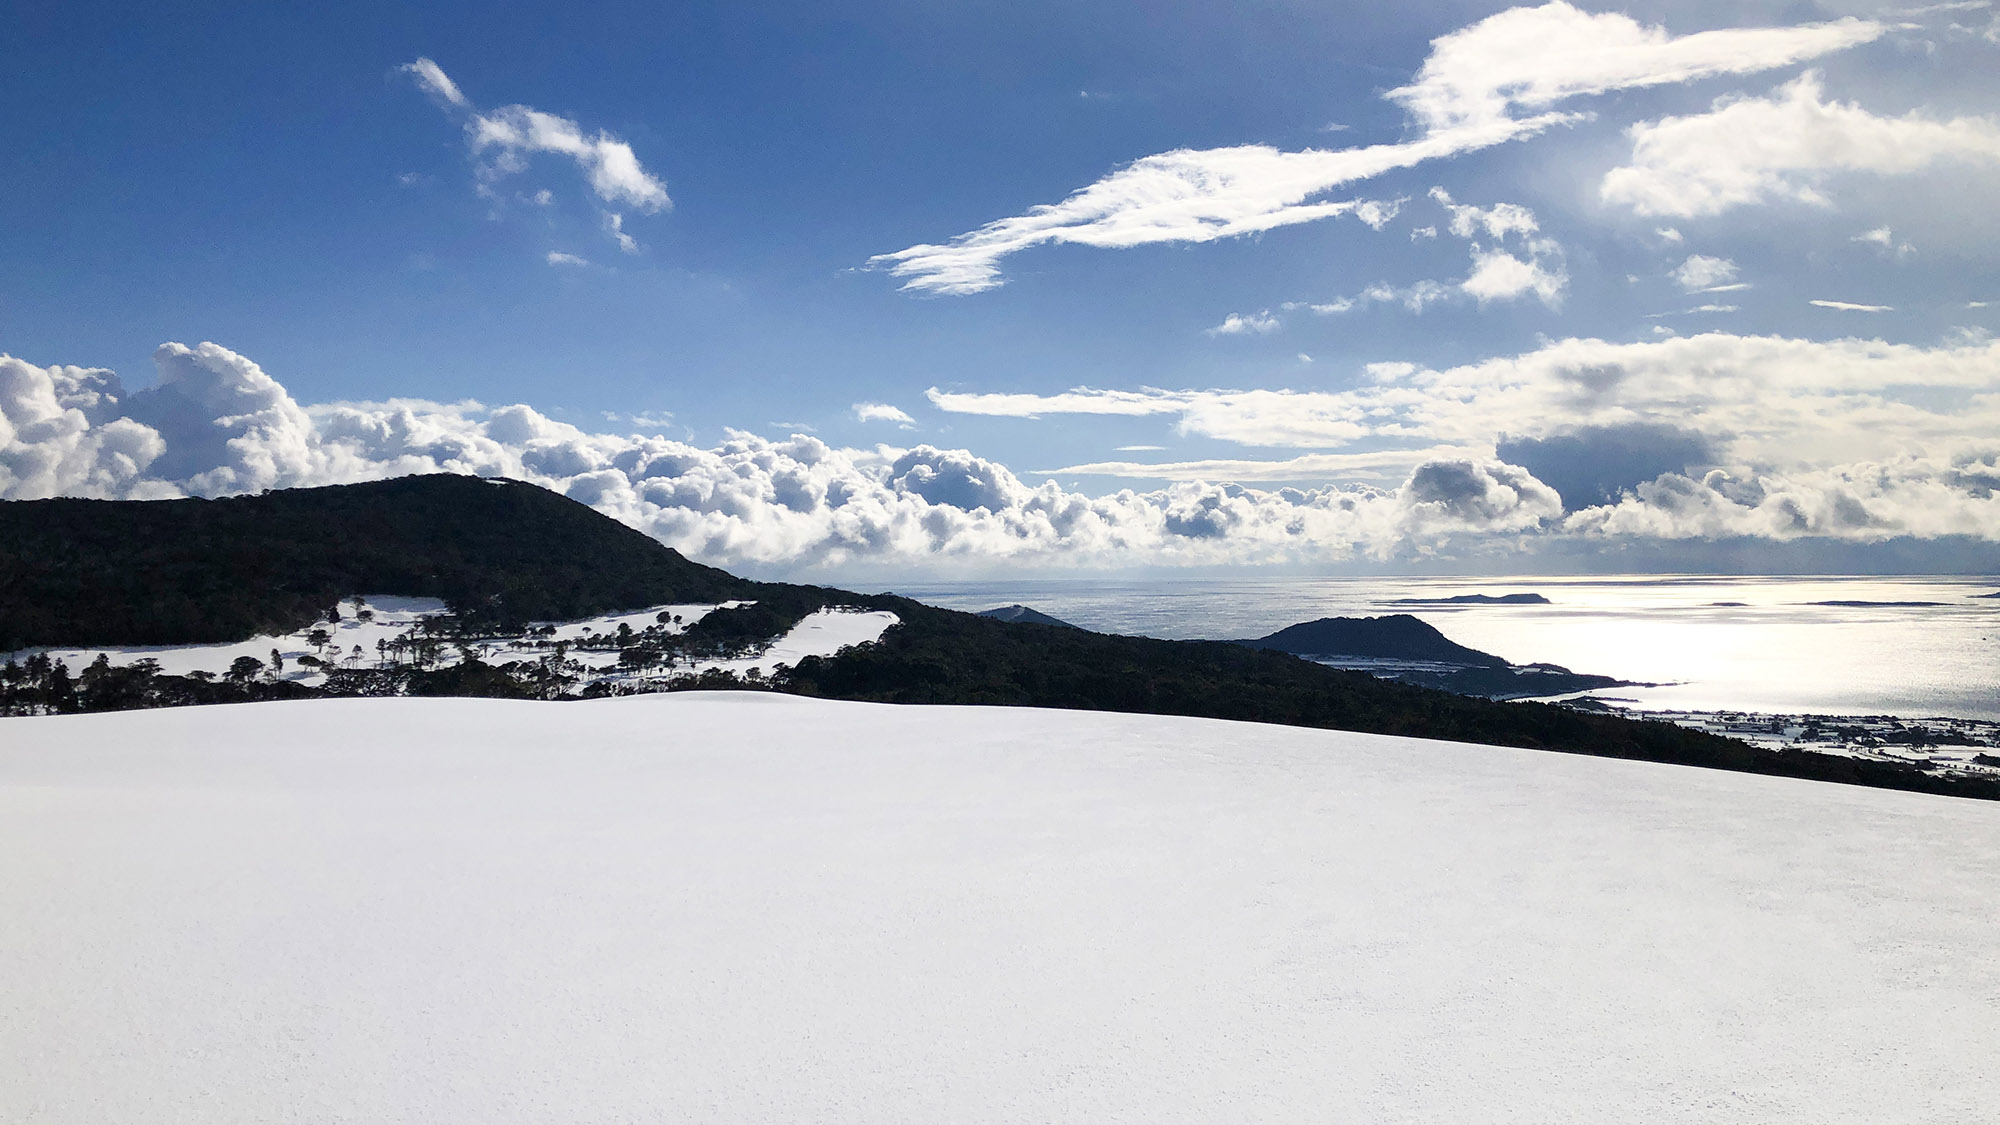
821,633
743,907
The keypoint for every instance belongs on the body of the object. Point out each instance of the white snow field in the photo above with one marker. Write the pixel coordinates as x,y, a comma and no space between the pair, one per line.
751,908
352,643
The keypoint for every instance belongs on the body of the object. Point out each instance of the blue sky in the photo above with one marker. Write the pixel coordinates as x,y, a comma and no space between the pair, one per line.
1323,285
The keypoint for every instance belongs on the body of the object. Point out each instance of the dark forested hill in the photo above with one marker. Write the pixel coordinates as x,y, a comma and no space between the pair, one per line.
84,572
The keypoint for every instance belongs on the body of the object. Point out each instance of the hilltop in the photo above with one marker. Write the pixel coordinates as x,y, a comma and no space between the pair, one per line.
101,572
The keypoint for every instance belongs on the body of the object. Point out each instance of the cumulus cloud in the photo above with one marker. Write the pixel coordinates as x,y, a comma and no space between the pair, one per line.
1849,306
1497,221
1592,465
1782,148
1499,276
1465,98
216,423
60,435
558,258
1853,439
1924,497
1704,274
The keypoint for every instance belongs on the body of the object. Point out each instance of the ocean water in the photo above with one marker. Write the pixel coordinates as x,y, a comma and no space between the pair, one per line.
1907,646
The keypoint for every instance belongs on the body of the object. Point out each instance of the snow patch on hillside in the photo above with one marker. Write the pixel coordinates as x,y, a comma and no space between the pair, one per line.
744,907
371,627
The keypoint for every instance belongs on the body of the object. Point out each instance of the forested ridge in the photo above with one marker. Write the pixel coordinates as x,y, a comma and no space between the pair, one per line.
129,572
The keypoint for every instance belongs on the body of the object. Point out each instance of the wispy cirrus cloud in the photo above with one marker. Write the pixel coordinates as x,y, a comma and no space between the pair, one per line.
1381,465
1470,94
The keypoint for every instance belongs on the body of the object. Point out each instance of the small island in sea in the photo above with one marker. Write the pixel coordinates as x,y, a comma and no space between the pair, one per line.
1403,648
1021,613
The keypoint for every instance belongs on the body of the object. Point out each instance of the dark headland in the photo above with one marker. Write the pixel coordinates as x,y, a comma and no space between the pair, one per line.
1021,613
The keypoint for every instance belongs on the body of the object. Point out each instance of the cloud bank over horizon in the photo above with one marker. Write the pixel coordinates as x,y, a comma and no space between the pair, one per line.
216,424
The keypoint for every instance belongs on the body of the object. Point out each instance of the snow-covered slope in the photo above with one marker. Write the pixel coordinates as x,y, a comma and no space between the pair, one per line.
368,623
757,908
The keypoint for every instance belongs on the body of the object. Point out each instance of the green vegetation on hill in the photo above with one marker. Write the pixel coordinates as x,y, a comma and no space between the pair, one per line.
89,572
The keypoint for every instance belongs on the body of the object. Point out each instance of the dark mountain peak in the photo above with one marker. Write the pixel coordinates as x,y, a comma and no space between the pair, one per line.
1021,613
1395,637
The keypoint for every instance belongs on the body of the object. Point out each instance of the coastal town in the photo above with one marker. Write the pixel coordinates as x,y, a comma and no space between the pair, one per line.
1964,747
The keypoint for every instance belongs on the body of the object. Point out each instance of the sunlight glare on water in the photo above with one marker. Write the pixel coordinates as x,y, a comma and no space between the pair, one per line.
1719,643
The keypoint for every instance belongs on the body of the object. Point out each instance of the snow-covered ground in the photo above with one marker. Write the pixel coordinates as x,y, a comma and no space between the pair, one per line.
369,620
391,616
756,908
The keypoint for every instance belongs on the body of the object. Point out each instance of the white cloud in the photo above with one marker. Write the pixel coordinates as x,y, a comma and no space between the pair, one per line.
61,435
1768,401
649,419
558,258
1139,449
1668,234
1784,147
881,412
1533,58
1923,497
1496,275
512,133
432,78
1499,276
1849,306
1386,464
1699,309
614,224
1853,439
1240,324
1497,221
1422,233
1463,100
1703,274
795,503
508,136
1949,6
1886,240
